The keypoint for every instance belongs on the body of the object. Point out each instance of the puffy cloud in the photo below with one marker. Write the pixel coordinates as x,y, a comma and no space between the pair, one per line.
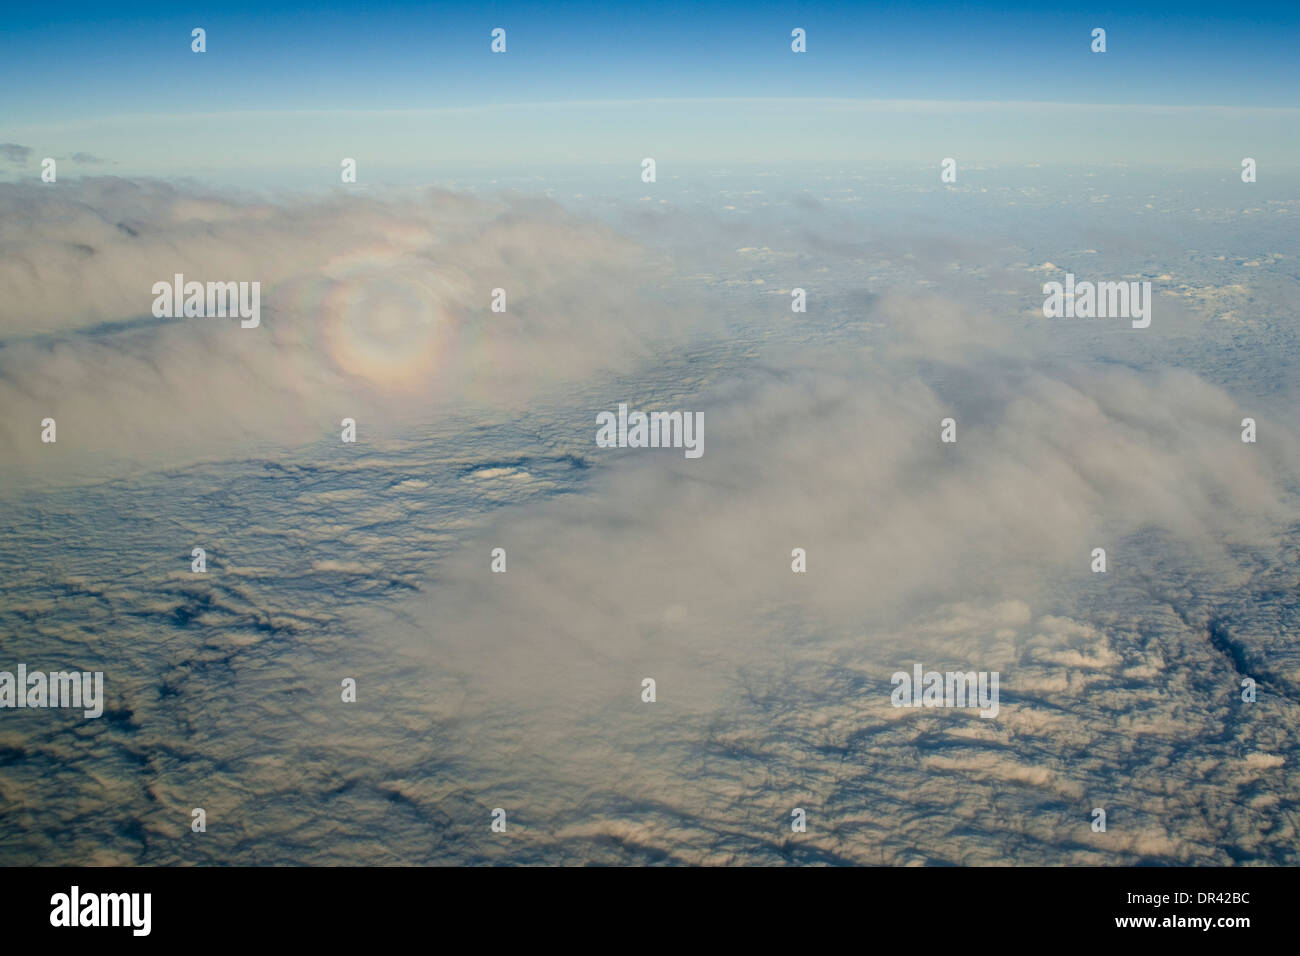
376,310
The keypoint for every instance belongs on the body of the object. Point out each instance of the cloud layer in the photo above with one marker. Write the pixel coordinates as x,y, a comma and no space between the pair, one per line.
523,690
375,310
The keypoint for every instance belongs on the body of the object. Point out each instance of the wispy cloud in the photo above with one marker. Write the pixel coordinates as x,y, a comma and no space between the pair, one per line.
13,153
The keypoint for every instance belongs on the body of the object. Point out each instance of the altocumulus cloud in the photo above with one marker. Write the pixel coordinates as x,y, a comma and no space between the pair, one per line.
522,690
1117,688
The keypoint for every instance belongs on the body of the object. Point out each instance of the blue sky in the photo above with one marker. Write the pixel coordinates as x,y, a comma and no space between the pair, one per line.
67,67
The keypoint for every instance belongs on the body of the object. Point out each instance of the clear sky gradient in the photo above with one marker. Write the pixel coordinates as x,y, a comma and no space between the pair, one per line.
120,82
